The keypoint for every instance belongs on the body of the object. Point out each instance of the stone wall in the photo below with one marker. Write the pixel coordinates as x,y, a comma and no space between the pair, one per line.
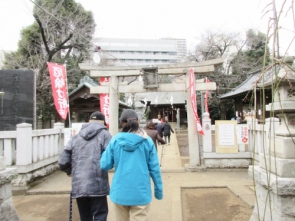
7,210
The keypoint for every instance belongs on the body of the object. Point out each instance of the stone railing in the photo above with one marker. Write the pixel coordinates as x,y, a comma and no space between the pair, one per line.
260,136
248,154
34,153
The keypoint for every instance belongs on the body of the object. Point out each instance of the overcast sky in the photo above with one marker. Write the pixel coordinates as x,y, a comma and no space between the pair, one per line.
155,19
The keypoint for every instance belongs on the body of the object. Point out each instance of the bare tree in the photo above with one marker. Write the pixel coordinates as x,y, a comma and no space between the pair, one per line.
215,44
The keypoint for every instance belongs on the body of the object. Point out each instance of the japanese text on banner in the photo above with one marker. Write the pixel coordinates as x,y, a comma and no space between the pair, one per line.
59,88
105,101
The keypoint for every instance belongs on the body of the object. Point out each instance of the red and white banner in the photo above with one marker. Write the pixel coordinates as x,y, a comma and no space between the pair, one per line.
105,101
192,83
59,88
206,98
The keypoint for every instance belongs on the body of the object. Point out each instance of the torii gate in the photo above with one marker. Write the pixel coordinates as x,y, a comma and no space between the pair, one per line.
114,88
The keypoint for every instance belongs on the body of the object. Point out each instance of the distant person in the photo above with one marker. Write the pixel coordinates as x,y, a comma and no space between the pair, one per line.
133,155
166,131
80,159
159,128
154,134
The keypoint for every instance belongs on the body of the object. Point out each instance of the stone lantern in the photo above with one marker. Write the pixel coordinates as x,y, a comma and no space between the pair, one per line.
275,176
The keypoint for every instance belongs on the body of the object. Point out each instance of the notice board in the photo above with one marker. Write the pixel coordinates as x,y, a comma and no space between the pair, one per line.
225,136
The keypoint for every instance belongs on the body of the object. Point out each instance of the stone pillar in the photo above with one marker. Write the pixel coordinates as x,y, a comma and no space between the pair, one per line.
275,177
24,144
193,140
7,210
60,126
207,138
114,105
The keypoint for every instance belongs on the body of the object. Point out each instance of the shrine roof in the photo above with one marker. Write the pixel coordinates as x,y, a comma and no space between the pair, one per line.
254,77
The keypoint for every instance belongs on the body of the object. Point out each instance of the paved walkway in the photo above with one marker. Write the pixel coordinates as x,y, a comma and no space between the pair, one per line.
50,199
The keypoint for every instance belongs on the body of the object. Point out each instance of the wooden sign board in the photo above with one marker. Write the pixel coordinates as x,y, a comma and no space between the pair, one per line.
225,136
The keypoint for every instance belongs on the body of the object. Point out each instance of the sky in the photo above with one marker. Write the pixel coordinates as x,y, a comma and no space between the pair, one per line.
156,19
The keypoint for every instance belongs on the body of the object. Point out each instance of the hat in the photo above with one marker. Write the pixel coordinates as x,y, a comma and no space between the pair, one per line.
97,116
128,114
150,125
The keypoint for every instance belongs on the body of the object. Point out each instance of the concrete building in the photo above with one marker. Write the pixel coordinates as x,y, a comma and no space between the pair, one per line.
143,52
181,48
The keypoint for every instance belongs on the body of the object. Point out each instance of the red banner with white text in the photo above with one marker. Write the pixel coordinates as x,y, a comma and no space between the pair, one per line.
59,88
105,101
192,83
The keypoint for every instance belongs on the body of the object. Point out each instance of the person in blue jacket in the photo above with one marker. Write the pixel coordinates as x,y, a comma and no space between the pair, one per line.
133,155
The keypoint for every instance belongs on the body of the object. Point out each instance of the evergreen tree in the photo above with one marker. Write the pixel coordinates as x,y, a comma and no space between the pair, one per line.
61,33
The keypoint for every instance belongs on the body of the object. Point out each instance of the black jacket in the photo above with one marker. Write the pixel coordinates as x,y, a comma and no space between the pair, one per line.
81,159
166,129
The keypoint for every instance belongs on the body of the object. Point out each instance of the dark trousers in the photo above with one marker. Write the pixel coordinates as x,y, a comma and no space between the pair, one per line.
167,137
93,208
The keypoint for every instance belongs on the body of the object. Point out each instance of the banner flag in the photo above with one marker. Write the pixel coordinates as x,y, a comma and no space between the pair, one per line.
206,98
59,88
105,101
192,83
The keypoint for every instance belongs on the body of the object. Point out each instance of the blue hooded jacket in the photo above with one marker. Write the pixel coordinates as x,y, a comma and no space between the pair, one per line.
135,160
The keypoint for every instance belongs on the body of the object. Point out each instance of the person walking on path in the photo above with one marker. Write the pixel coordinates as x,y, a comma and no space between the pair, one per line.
133,155
166,131
80,160
159,128
154,134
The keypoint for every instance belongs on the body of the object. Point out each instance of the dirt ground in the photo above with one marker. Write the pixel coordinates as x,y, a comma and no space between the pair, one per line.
53,207
207,204
218,204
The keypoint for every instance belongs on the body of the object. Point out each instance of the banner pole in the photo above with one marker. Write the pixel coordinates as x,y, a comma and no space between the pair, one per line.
69,113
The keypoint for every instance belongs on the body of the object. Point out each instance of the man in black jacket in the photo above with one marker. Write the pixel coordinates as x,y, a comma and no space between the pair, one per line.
166,131
80,159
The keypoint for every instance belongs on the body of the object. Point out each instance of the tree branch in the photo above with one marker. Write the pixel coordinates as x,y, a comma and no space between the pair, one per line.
42,33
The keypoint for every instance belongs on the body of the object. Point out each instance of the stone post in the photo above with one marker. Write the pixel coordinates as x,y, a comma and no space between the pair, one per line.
275,177
7,210
114,105
207,138
60,126
24,144
193,140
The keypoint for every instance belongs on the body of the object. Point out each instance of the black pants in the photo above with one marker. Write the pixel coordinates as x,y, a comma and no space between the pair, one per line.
167,137
93,208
